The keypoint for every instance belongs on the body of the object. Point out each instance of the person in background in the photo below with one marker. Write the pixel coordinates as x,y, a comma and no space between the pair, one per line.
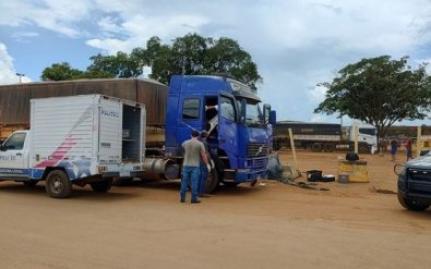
204,170
194,150
394,149
409,152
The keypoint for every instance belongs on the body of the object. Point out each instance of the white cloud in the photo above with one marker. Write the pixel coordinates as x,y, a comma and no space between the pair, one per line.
138,29
296,44
61,16
7,71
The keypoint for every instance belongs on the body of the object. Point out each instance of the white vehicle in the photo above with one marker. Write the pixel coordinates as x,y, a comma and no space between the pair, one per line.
86,139
366,135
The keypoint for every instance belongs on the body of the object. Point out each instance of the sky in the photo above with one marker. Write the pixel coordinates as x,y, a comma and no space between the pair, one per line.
296,44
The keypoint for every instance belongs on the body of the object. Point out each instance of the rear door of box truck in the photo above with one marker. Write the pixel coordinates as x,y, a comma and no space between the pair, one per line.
110,132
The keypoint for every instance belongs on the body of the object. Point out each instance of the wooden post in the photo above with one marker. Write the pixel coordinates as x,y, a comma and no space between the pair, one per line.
356,137
419,142
292,146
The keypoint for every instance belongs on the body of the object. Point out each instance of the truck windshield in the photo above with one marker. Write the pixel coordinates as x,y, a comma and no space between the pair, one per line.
253,114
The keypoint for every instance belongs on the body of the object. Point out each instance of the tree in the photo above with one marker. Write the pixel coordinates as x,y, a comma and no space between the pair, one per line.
191,54
61,71
379,91
156,55
226,56
120,65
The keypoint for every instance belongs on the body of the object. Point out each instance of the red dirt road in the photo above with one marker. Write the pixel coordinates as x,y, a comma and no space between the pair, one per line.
269,226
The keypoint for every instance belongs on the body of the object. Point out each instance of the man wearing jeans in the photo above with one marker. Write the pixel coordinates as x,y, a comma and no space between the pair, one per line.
194,151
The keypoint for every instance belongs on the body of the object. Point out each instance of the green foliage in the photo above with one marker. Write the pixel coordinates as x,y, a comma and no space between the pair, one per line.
191,54
379,91
120,65
61,71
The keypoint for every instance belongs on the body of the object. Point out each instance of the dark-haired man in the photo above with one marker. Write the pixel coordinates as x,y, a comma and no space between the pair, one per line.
194,151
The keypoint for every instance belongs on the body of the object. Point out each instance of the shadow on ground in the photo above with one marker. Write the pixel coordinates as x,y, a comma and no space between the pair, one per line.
174,186
78,193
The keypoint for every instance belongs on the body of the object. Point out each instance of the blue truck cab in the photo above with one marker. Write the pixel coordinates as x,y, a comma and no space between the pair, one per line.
240,128
414,184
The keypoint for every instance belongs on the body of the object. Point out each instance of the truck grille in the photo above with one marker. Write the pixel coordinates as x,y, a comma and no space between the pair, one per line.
419,175
255,150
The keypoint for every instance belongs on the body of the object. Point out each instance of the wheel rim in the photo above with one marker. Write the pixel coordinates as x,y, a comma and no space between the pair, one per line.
56,184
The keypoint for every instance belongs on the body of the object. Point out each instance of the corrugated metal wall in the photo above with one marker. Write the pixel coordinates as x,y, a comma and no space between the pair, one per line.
15,99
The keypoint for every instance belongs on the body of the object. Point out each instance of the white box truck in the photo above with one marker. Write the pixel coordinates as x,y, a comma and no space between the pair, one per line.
86,139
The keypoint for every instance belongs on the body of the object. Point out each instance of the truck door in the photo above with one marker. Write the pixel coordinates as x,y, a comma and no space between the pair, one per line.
13,156
190,118
227,127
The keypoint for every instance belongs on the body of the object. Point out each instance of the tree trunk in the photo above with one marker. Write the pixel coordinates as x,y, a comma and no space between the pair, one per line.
379,139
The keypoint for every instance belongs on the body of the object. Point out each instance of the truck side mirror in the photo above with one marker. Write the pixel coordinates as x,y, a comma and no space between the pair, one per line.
266,113
243,110
273,117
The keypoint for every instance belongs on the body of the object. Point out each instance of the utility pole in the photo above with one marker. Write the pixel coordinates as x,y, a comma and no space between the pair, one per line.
20,75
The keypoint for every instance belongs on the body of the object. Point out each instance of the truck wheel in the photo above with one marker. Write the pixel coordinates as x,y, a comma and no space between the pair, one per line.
102,186
329,147
213,181
58,184
316,147
30,183
412,205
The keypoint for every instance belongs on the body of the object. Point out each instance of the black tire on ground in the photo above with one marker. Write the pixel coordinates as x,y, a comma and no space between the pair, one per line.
102,186
316,147
58,184
363,148
30,183
213,181
412,205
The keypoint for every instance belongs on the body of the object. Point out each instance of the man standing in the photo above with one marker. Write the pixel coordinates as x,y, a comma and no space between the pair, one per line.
203,167
194,150
409,152
394,149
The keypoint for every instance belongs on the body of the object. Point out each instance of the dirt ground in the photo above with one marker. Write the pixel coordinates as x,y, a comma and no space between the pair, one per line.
269,226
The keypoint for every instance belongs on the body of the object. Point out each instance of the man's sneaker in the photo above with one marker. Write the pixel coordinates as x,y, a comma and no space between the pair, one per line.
196,202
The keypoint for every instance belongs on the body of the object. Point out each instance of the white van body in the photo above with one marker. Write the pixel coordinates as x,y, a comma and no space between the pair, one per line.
90,137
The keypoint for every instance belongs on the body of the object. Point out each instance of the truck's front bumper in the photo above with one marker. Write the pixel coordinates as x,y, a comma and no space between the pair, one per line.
412,189
248,175
419,197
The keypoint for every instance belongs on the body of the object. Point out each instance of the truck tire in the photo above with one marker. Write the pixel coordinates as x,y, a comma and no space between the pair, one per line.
30,183
102,186
316,147
58,184
213,181
412,205
329,147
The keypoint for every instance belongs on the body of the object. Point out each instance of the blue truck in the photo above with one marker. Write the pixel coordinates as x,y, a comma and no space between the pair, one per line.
240,129
414,184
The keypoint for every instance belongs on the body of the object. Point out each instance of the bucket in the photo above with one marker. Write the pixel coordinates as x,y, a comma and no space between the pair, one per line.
343,178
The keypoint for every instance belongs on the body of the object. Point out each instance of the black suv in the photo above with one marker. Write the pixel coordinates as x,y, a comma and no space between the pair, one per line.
414,184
